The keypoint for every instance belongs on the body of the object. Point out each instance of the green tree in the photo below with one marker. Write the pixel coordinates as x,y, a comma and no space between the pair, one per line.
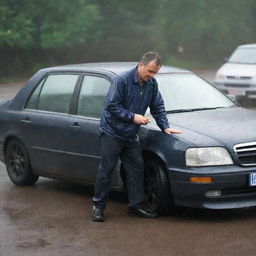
128,28
34,33
16,27
47,24
206,29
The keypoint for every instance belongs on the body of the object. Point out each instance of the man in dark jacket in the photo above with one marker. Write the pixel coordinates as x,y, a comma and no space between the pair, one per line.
126,103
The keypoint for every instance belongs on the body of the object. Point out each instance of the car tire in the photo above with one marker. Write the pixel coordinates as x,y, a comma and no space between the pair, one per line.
157,189
18,164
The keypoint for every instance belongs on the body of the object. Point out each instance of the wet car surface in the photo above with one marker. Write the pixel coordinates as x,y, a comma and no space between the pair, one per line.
53,132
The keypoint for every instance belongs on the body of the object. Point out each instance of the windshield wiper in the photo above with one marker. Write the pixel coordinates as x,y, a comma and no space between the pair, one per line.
177,111
190,110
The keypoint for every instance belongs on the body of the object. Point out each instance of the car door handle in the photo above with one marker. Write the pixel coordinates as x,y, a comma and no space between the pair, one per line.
75,125
26,121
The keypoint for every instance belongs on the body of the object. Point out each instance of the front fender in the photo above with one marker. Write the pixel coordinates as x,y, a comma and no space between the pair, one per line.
169,147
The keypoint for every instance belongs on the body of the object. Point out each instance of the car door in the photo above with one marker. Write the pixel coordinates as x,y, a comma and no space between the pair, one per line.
83,142
45,119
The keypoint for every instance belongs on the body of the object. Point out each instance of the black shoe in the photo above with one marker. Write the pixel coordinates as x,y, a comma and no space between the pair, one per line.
140,212
97,214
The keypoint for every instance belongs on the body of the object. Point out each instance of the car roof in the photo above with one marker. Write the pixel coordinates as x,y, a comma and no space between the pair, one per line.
114,67
247,46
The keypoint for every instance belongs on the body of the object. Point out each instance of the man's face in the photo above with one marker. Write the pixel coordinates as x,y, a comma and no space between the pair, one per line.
145,72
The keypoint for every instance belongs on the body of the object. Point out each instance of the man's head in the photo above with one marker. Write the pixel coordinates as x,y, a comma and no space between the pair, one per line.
148,66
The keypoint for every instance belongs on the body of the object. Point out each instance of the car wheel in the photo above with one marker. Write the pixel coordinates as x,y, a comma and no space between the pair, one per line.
157,190
18,164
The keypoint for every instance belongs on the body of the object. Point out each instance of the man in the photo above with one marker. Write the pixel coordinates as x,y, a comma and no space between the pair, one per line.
126,103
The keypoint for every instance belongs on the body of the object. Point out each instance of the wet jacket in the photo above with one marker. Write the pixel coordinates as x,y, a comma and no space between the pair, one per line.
127,97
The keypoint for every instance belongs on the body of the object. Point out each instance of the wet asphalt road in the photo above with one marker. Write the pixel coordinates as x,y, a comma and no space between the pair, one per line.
53,218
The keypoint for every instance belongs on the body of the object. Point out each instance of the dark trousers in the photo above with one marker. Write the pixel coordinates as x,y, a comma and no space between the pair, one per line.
131,157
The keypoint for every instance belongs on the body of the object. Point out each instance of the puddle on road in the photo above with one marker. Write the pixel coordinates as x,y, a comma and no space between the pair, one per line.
13,214
39,243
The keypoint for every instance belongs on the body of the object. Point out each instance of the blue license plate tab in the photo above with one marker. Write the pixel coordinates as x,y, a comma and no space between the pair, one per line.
252,179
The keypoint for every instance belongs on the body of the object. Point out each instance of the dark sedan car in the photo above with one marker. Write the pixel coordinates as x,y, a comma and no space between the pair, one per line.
51,129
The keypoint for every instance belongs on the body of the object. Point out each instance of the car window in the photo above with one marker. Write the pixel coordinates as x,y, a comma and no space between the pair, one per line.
92,96
56,93
244,55
32,102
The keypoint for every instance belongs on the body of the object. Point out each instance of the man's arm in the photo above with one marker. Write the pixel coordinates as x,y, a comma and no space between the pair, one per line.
115,100
139,119
157,109
114,105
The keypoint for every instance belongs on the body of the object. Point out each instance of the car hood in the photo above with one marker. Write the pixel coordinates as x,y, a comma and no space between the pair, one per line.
232,69
223,127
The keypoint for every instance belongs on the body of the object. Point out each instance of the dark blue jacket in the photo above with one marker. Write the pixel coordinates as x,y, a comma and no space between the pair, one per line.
127,97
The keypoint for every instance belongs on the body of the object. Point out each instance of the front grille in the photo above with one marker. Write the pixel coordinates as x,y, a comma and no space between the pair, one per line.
246,153
238,191
237,85
239,77
245,77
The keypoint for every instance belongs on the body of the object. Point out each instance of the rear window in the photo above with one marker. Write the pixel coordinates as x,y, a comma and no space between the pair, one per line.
92,96
54,93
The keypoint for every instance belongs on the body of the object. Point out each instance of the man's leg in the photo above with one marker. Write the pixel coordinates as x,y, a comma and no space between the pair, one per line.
133,163
110,150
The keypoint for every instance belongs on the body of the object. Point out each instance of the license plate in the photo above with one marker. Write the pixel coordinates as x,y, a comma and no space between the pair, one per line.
236,91
252,179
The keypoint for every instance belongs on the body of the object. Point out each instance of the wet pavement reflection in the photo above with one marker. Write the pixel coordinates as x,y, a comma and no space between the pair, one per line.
53,218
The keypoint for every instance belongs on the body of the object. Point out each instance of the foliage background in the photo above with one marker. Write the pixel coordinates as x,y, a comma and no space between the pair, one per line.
187,33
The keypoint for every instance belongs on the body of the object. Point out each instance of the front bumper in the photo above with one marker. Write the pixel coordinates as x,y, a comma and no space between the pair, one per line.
232,185
239,90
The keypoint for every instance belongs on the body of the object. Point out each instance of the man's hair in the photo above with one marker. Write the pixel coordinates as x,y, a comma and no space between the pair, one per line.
151,56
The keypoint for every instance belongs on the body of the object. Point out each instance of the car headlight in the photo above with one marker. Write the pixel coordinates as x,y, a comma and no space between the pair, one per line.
208,156
220,76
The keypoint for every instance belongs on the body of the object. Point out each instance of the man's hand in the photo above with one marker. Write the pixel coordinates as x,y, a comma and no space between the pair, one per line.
170,131
139,119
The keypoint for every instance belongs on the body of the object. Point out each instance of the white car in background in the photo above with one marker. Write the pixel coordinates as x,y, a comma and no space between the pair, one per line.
238,75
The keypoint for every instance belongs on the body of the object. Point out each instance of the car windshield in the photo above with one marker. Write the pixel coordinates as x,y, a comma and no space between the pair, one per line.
243,55
188,92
